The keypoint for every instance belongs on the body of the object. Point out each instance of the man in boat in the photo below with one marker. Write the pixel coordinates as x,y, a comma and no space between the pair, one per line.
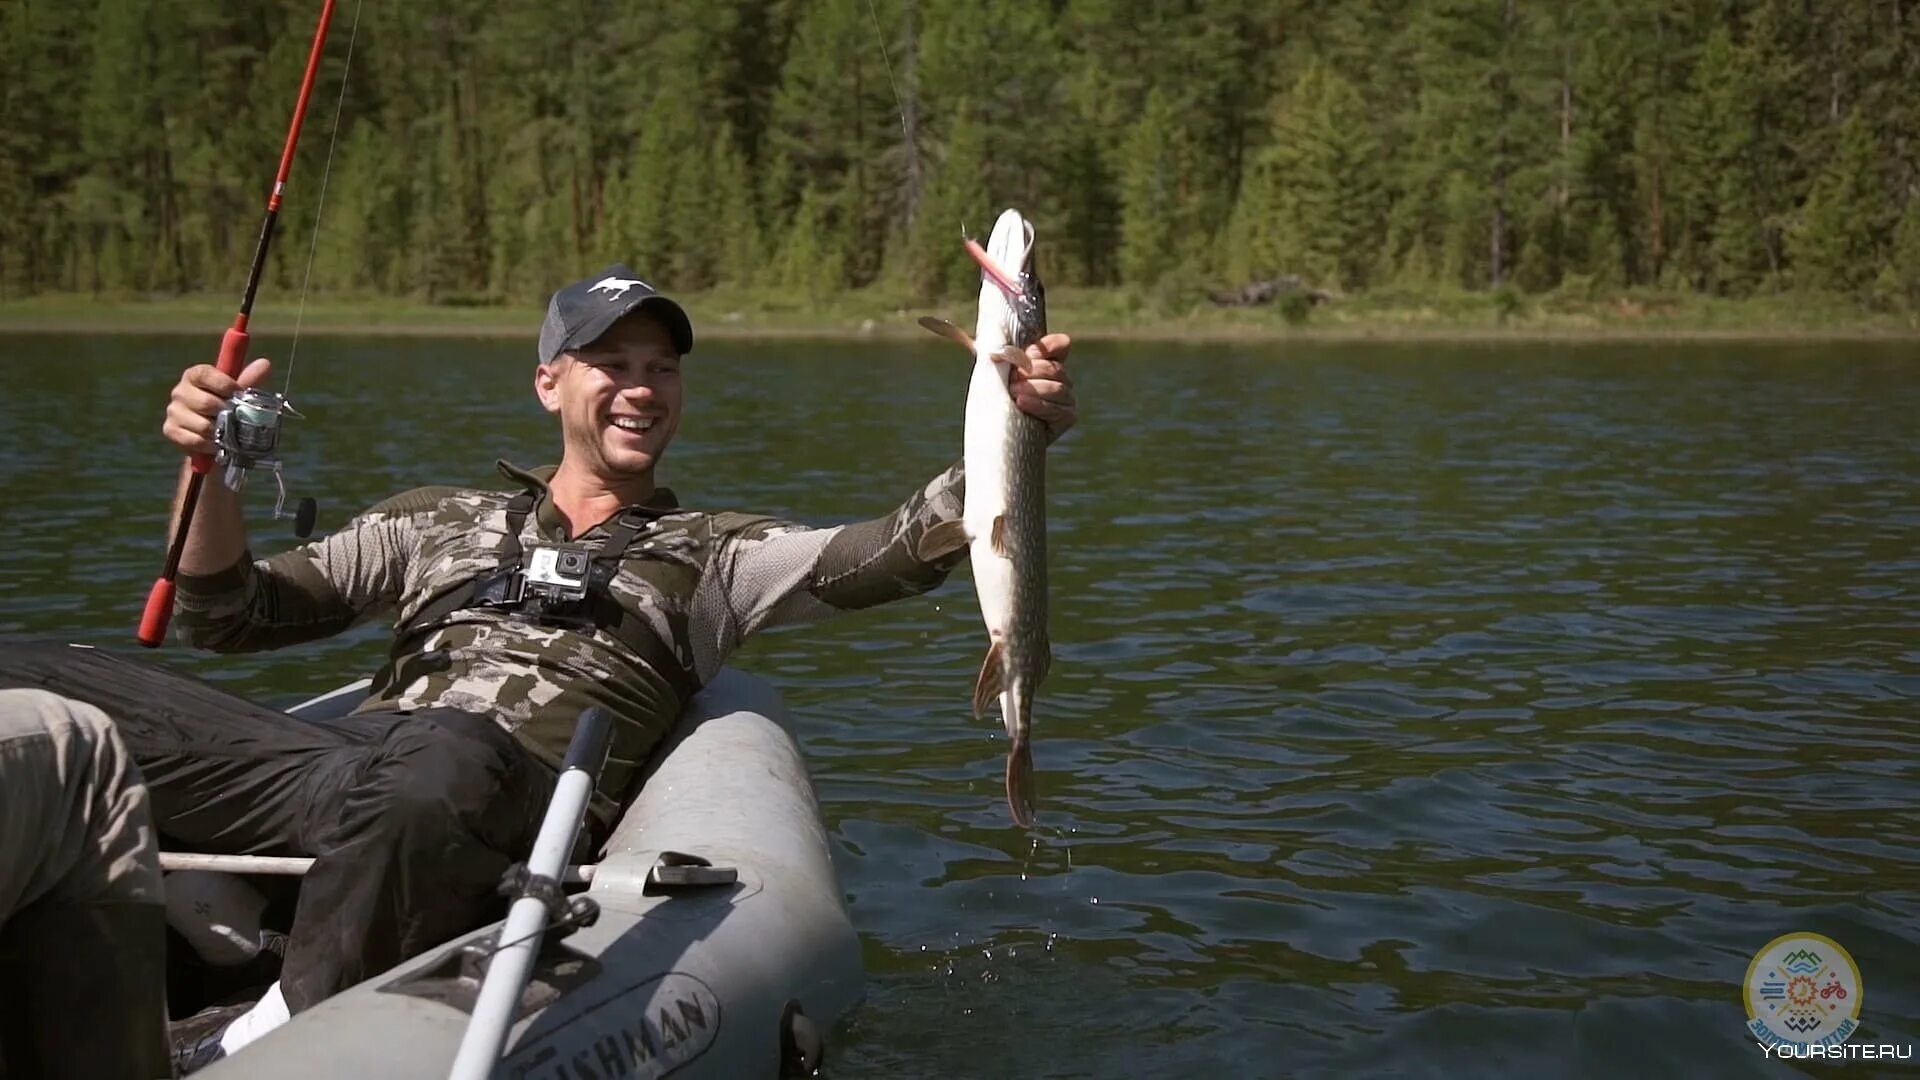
581,584
83,931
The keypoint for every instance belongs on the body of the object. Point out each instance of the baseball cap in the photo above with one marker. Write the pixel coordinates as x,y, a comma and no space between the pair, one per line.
582,311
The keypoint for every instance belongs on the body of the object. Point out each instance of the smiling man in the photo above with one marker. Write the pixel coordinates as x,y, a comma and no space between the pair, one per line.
581,584
610,369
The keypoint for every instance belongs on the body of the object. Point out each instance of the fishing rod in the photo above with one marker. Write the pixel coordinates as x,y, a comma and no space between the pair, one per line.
247,431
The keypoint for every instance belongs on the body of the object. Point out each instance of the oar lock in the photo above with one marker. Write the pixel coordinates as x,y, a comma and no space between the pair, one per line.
246,436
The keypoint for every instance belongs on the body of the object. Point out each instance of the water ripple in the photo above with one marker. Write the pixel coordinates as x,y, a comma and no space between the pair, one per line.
1415,711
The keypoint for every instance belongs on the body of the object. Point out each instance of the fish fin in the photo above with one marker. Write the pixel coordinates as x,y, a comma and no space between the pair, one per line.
988,686
1013,355
1020,783
999,535
949,331
942,539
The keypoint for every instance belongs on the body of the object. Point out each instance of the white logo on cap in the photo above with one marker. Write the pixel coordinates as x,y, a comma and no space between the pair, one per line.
622,284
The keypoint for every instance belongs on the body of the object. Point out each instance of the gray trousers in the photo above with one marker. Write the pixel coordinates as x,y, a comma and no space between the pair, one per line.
82,923
75,824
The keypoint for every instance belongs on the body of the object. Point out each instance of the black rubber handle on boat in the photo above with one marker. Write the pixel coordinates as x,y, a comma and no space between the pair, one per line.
592,738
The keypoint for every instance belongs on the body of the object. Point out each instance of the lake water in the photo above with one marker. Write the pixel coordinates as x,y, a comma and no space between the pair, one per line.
1470,710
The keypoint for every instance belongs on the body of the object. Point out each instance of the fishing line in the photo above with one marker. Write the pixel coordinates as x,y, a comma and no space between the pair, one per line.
320,204
899,105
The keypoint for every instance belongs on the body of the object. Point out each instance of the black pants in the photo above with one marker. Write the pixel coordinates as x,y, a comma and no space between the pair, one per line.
411,818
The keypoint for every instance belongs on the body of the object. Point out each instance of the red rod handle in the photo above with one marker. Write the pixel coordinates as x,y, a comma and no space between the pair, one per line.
233,354
153,621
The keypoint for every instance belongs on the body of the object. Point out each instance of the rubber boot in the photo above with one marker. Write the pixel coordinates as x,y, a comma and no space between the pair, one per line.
91,986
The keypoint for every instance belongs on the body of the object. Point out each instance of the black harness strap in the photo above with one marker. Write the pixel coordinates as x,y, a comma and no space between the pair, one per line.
465,594
496,588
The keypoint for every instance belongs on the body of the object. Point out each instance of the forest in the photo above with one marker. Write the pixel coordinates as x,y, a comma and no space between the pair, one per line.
477,152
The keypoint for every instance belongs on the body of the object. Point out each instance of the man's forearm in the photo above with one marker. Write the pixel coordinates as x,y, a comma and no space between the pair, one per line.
218,539
872,562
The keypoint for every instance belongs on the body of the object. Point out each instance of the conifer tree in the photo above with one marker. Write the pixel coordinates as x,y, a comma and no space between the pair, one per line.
833,121
1603,160
813,263
489,147
1902,274
735,232
953,200
1312,203
1837,245
1724,221
1152,214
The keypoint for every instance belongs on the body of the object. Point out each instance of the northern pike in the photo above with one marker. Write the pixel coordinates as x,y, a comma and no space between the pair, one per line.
1004,519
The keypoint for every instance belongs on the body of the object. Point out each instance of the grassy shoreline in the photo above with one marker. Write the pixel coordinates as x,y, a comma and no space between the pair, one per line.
1089,314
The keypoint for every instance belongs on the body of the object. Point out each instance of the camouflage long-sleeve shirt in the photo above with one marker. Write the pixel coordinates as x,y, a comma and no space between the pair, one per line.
701,582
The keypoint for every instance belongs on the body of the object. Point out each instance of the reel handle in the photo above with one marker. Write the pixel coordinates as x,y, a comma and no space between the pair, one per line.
233,353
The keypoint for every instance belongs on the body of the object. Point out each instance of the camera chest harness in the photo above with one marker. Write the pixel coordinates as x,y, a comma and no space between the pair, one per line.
510,588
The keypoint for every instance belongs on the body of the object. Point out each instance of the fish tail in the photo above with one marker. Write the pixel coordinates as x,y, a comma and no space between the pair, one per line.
1020,782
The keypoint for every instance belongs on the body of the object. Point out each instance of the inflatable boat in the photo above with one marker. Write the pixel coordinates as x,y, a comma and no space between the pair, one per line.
721,947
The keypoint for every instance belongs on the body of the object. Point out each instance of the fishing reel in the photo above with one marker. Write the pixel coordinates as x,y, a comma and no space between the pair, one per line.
246,436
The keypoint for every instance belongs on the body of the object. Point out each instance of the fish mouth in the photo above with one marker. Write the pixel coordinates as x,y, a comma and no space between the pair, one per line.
1009,282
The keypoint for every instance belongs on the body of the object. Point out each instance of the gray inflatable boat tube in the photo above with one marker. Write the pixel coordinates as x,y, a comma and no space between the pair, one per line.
697,979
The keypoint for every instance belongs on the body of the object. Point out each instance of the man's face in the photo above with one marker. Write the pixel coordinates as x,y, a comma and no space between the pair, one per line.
618,398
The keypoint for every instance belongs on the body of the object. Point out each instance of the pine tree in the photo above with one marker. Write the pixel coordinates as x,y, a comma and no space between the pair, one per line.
40,44
834,124
1312,203
488,147
735,232
1417,222
813,262
1902,273
937,268
1606,252
1603,180
1152,214
1086,208
1479,80
1730,255
1837,245
1469,219
111,202
1662,37
639,202
959,74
